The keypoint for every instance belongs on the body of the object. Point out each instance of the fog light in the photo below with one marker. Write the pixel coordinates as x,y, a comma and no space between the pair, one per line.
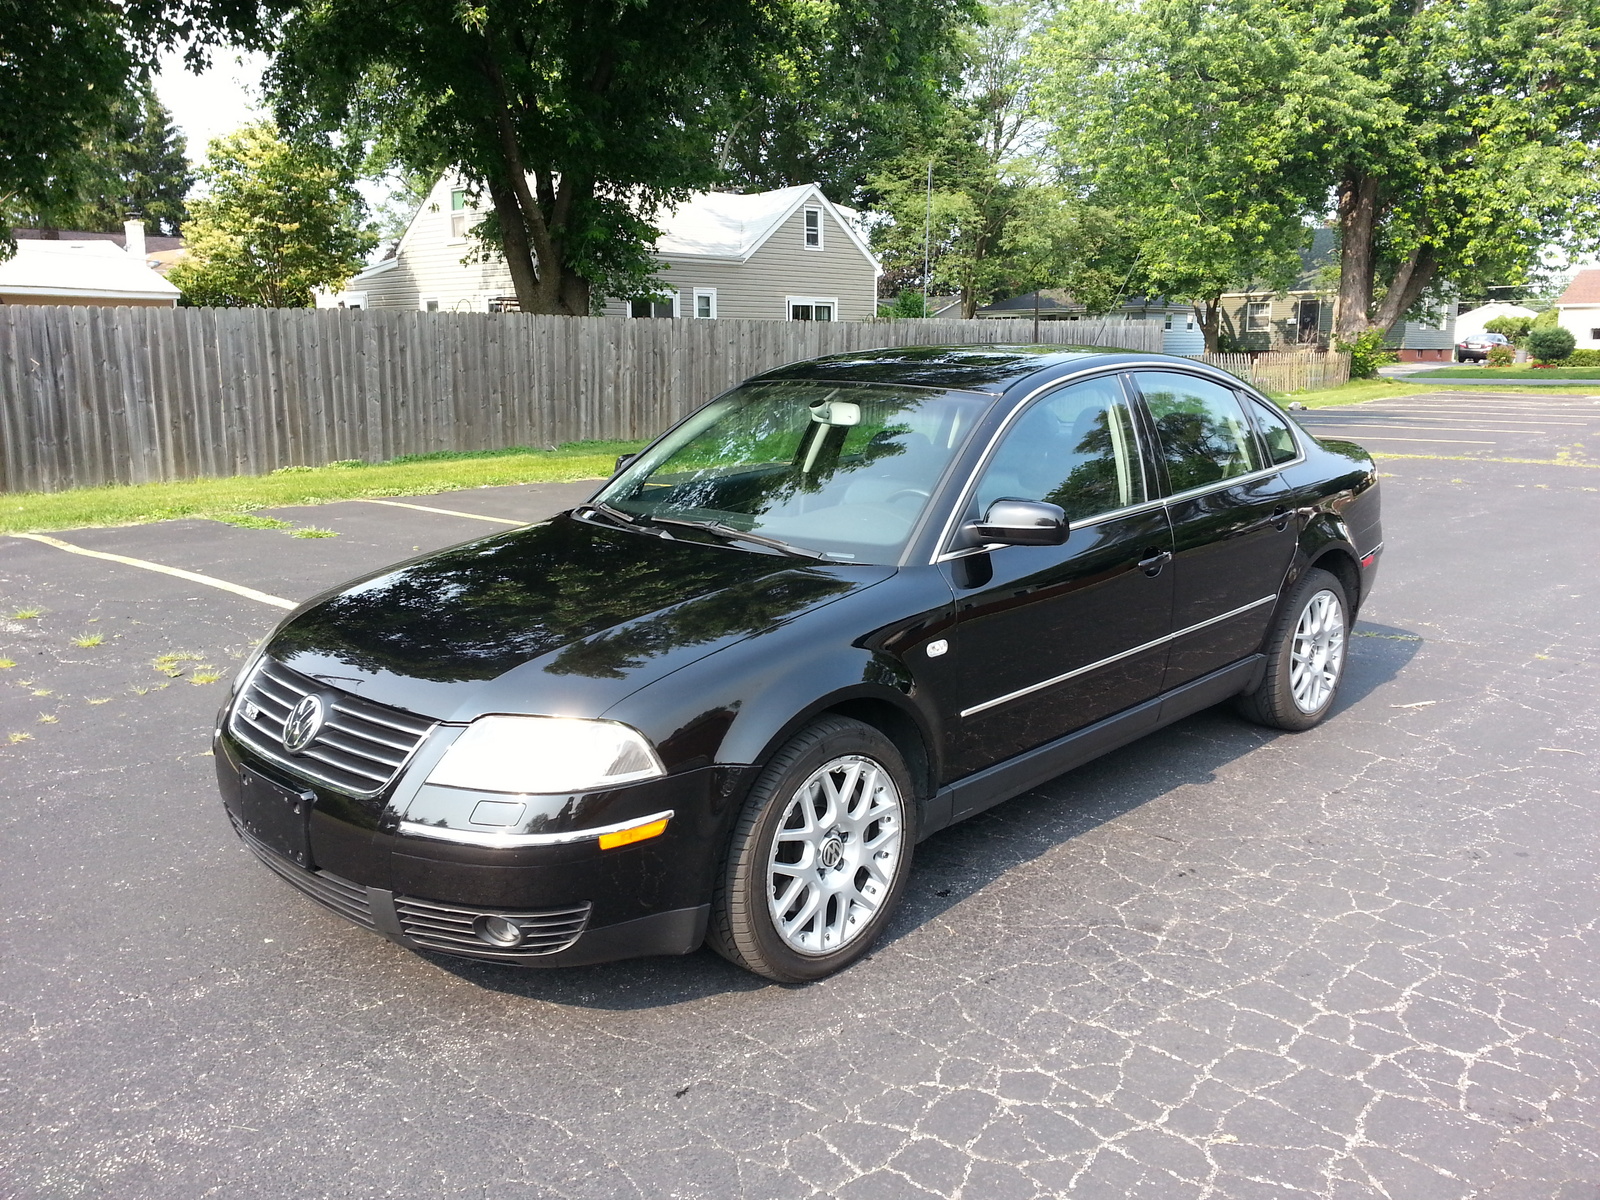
498,931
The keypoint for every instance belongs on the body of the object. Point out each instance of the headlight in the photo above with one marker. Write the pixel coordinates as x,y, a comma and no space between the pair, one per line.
545,755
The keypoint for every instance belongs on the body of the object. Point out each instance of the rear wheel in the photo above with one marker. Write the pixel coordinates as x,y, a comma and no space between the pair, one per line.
819,857
1305,656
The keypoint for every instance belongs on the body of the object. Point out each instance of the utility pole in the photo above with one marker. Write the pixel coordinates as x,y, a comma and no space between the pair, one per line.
927,233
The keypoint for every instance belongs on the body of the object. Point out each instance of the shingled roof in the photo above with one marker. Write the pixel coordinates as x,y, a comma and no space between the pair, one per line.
1584,288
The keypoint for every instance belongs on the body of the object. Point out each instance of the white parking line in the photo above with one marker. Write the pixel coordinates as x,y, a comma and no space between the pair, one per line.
238,589
1420,428
1458,417
449,512
1427,441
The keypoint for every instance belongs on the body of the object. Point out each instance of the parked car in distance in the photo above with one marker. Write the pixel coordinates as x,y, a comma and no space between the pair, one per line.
1476,348
840,607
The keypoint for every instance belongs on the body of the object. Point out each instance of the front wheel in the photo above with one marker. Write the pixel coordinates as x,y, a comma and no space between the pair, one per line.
1305,656
819,856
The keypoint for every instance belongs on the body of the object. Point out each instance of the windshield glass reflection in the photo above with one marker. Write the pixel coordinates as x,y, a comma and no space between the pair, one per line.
840,470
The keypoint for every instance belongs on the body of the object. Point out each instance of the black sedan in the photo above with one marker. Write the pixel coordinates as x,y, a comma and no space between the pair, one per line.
837,609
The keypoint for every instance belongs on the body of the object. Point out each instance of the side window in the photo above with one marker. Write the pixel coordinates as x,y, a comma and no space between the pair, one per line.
1075,448
1275,433
1203,433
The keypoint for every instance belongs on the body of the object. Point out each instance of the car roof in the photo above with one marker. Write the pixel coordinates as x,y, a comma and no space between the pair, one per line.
990,368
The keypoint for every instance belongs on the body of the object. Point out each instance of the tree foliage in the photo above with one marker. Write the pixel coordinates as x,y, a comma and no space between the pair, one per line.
579,121
277,221
137,166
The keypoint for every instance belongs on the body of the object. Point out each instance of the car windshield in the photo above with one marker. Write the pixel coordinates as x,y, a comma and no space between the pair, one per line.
840,471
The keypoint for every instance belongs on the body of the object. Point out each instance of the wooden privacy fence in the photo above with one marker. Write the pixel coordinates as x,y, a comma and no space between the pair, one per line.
92,396
1286,370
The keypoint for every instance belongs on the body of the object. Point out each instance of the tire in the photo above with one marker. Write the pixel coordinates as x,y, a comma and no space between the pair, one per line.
1306,649
849,865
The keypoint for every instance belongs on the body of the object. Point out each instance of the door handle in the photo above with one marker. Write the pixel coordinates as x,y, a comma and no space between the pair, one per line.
1280,518
1158,558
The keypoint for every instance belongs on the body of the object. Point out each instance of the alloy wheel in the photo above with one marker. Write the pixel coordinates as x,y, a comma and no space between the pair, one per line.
1317,656
834,855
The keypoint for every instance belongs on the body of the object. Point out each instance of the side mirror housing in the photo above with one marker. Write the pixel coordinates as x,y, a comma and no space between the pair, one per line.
1013,522
622,461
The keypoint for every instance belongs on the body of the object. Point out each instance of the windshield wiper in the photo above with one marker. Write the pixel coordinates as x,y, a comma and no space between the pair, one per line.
743,535
628,520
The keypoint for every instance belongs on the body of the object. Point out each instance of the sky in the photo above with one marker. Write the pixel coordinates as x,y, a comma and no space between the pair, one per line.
219,100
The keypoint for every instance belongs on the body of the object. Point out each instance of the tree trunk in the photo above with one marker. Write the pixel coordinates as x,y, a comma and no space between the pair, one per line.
514,244
1358,222
1210,320
1406,287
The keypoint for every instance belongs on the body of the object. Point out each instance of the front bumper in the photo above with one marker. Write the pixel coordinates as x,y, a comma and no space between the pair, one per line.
574,902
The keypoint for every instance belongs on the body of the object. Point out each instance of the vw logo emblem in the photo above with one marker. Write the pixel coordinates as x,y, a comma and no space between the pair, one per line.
304,723
831,854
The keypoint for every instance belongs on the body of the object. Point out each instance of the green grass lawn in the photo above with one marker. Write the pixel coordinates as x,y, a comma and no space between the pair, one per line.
1501,374
232,499
1359,390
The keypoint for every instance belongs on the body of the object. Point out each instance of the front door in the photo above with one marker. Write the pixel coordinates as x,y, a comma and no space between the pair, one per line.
1233,522
1052,638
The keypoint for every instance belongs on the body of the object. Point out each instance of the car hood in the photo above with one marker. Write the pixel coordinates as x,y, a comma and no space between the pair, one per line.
562,618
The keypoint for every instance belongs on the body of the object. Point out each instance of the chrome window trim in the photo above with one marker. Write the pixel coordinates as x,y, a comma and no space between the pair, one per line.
512,841
1106,662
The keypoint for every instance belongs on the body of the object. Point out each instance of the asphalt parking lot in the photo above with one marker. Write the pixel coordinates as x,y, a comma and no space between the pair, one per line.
1221,962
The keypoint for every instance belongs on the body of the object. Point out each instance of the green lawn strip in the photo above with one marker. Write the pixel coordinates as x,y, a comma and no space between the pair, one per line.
1359,391
234,498
1486,375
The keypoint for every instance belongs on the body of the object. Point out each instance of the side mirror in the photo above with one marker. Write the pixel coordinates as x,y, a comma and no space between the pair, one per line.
1013,522
622,461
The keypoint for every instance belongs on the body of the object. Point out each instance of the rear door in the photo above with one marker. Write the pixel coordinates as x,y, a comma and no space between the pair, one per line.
1233,521
1051,638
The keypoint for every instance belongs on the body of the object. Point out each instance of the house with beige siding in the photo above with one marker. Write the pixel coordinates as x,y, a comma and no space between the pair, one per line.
784,255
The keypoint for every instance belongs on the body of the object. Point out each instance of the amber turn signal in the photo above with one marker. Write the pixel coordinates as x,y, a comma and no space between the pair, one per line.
639,833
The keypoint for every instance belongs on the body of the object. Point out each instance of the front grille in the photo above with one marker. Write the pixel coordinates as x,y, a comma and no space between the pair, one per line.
450,928
327,889
361,746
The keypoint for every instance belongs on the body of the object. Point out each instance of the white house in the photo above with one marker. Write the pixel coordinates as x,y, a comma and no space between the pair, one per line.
1579,309
789,254
86,270
1471,323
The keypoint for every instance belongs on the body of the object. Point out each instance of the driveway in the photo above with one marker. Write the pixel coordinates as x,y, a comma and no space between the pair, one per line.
1221,962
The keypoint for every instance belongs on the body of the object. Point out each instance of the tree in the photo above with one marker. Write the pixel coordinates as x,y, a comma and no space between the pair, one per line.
277,221
67,68
1189,120
1473,151
577,120
138,168
994,224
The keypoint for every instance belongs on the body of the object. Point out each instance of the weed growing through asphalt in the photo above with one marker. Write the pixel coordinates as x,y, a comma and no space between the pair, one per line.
251,521
206,674
48,718
175,663
20,737
27,614
7,663
311,531
89,640
100,700
43,692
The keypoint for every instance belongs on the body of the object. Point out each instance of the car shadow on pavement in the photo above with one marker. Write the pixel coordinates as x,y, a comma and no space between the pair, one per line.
955,864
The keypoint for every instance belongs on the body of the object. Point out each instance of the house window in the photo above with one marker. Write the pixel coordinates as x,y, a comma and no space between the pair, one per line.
813,229
459,214
1594,335
1188,322
1168,323
654,306
812,308
705,303
1257,314
428,303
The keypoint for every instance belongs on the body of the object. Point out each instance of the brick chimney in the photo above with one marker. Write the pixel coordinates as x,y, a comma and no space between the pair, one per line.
133,229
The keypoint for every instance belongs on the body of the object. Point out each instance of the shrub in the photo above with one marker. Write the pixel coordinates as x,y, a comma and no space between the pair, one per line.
1546,319
1515,328
1501,356
1551,345
1583,358
1367,354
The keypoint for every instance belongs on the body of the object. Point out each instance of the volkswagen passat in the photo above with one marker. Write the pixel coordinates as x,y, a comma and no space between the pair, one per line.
837,609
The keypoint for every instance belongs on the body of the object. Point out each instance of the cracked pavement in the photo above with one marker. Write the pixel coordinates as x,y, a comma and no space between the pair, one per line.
1221,962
